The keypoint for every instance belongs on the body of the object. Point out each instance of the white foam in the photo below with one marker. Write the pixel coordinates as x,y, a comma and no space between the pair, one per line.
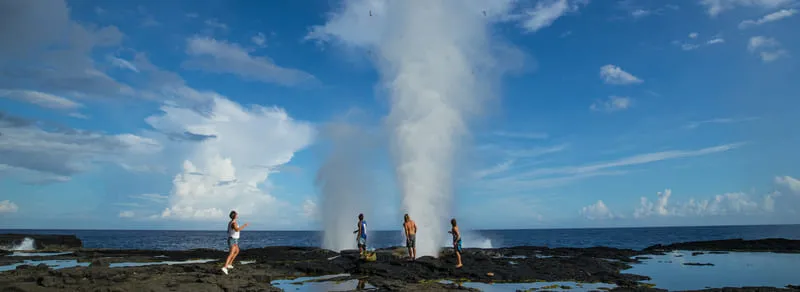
26,244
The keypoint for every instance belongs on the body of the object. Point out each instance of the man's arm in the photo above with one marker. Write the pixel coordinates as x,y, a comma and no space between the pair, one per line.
458,234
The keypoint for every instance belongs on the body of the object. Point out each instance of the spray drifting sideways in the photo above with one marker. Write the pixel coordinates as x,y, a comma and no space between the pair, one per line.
436,61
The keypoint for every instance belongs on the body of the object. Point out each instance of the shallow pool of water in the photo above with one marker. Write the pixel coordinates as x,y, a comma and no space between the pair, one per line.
550,286
735,269
313,284
133,264
38,254
53,264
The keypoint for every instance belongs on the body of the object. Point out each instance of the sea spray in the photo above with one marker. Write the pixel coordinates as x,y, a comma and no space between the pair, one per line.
436,63
26,244
345,183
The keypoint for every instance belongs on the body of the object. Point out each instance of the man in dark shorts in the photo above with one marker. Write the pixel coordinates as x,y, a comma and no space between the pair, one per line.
410,228
456,242
361,238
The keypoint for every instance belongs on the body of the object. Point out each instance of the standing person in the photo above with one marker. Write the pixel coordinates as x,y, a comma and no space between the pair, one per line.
456,241
233,241
410,228
361,238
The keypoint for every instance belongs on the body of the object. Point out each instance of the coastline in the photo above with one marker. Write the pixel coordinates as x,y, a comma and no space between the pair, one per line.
256,269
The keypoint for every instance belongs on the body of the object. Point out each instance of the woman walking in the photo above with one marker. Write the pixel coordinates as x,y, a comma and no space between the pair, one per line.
233,241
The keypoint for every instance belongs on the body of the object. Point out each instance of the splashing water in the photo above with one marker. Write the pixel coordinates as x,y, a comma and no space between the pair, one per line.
437,64
26,244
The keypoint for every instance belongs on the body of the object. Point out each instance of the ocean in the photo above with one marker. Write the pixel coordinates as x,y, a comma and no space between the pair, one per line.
633,238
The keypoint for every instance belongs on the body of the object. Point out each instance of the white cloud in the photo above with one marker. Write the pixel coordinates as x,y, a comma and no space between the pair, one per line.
767,48
259,39
789,182
7,206
613,104
597,211
41,99
613,74
215,24
126,214
544,14
693,46
309,209
647,208
522,135
498,168
715,7
55,153
695,124
720,205
151,197
639,13
761,42
231,170
523,180
40,34
775,16
124,64
215,56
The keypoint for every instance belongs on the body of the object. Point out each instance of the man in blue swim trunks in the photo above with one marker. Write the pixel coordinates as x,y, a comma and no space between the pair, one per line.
361,238
456,242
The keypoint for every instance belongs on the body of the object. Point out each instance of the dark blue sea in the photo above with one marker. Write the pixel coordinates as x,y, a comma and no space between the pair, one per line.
634,238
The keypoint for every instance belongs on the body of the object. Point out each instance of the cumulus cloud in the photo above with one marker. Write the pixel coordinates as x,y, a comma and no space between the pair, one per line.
211,55
613,104
40,34
230,171
775,16
597,211
736,203
57,152
647,208
613,74
789,182
215,24
126,214
7,206
768,49
715,7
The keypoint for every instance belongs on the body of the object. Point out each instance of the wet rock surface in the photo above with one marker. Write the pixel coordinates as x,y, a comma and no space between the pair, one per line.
391,272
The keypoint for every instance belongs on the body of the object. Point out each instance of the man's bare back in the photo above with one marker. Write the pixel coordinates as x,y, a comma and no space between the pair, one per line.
411,227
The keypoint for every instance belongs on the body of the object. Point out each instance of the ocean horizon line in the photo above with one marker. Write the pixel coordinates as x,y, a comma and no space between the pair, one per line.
6,230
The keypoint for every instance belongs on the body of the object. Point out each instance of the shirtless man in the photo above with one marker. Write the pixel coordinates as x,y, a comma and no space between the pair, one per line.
410,228
456,242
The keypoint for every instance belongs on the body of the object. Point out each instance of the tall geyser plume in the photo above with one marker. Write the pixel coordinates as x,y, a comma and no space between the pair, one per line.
436,63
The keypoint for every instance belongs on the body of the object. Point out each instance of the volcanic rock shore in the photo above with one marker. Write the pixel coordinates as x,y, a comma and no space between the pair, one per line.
255,269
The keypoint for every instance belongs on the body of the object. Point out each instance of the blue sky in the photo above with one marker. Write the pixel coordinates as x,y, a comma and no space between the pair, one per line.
145,114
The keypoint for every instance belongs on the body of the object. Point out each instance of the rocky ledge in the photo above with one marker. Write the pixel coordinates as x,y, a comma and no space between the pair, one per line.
257,268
